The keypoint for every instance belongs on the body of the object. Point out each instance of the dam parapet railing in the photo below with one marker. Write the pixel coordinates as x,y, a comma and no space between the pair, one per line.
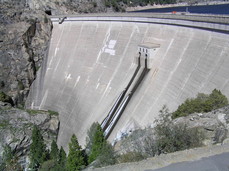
219,23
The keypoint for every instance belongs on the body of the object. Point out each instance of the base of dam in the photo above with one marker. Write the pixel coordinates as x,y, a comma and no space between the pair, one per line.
89,63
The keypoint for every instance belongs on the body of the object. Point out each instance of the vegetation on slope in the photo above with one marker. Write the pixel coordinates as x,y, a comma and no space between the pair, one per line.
166,137
38,153
9,161
75,160
171,137
202,103
100,150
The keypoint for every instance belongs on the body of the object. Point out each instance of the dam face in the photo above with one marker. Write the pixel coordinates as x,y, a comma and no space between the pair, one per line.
90,62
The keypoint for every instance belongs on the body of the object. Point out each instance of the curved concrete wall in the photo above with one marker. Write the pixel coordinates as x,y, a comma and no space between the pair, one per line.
90,63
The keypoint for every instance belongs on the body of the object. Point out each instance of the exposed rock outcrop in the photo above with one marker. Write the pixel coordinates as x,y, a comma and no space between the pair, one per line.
55,7
68,6
24,39
25,32
215,124
16,128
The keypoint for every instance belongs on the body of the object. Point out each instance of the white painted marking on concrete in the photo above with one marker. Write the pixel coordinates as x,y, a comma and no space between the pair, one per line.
104,44
120,60
110,47
114,73
57,65
56,50
77,80
110,51
67,76
87,81
97,86
108,91
112,44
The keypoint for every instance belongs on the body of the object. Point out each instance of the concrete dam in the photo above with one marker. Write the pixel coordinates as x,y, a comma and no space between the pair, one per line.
92,58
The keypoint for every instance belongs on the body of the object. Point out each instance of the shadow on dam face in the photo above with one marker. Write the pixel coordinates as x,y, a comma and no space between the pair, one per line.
90,62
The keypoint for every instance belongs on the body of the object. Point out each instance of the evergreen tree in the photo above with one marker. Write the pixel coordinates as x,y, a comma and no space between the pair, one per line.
54,151
217,99
75,160
98,143
202,103
38,153
62,157
56,163
90,135
107,155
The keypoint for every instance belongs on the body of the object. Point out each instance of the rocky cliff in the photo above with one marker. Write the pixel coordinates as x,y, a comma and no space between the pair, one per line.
16,128
24,38
25,31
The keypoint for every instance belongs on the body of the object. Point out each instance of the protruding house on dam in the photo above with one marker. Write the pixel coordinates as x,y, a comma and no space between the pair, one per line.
147,50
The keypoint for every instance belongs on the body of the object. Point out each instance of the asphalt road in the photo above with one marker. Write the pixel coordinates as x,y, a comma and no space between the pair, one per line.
214,163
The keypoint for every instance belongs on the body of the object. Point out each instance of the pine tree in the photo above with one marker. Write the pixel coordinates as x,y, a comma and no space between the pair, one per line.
90,136
75,160
98,143
38,153
54,151
217,99
62,157
107,155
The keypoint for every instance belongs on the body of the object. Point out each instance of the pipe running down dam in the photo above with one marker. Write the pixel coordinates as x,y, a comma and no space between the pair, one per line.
93,69
118,108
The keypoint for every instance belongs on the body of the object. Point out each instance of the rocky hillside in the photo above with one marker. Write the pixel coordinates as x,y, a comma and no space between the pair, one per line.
68,6
56,7
25,32
24,38
16,128
214,125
